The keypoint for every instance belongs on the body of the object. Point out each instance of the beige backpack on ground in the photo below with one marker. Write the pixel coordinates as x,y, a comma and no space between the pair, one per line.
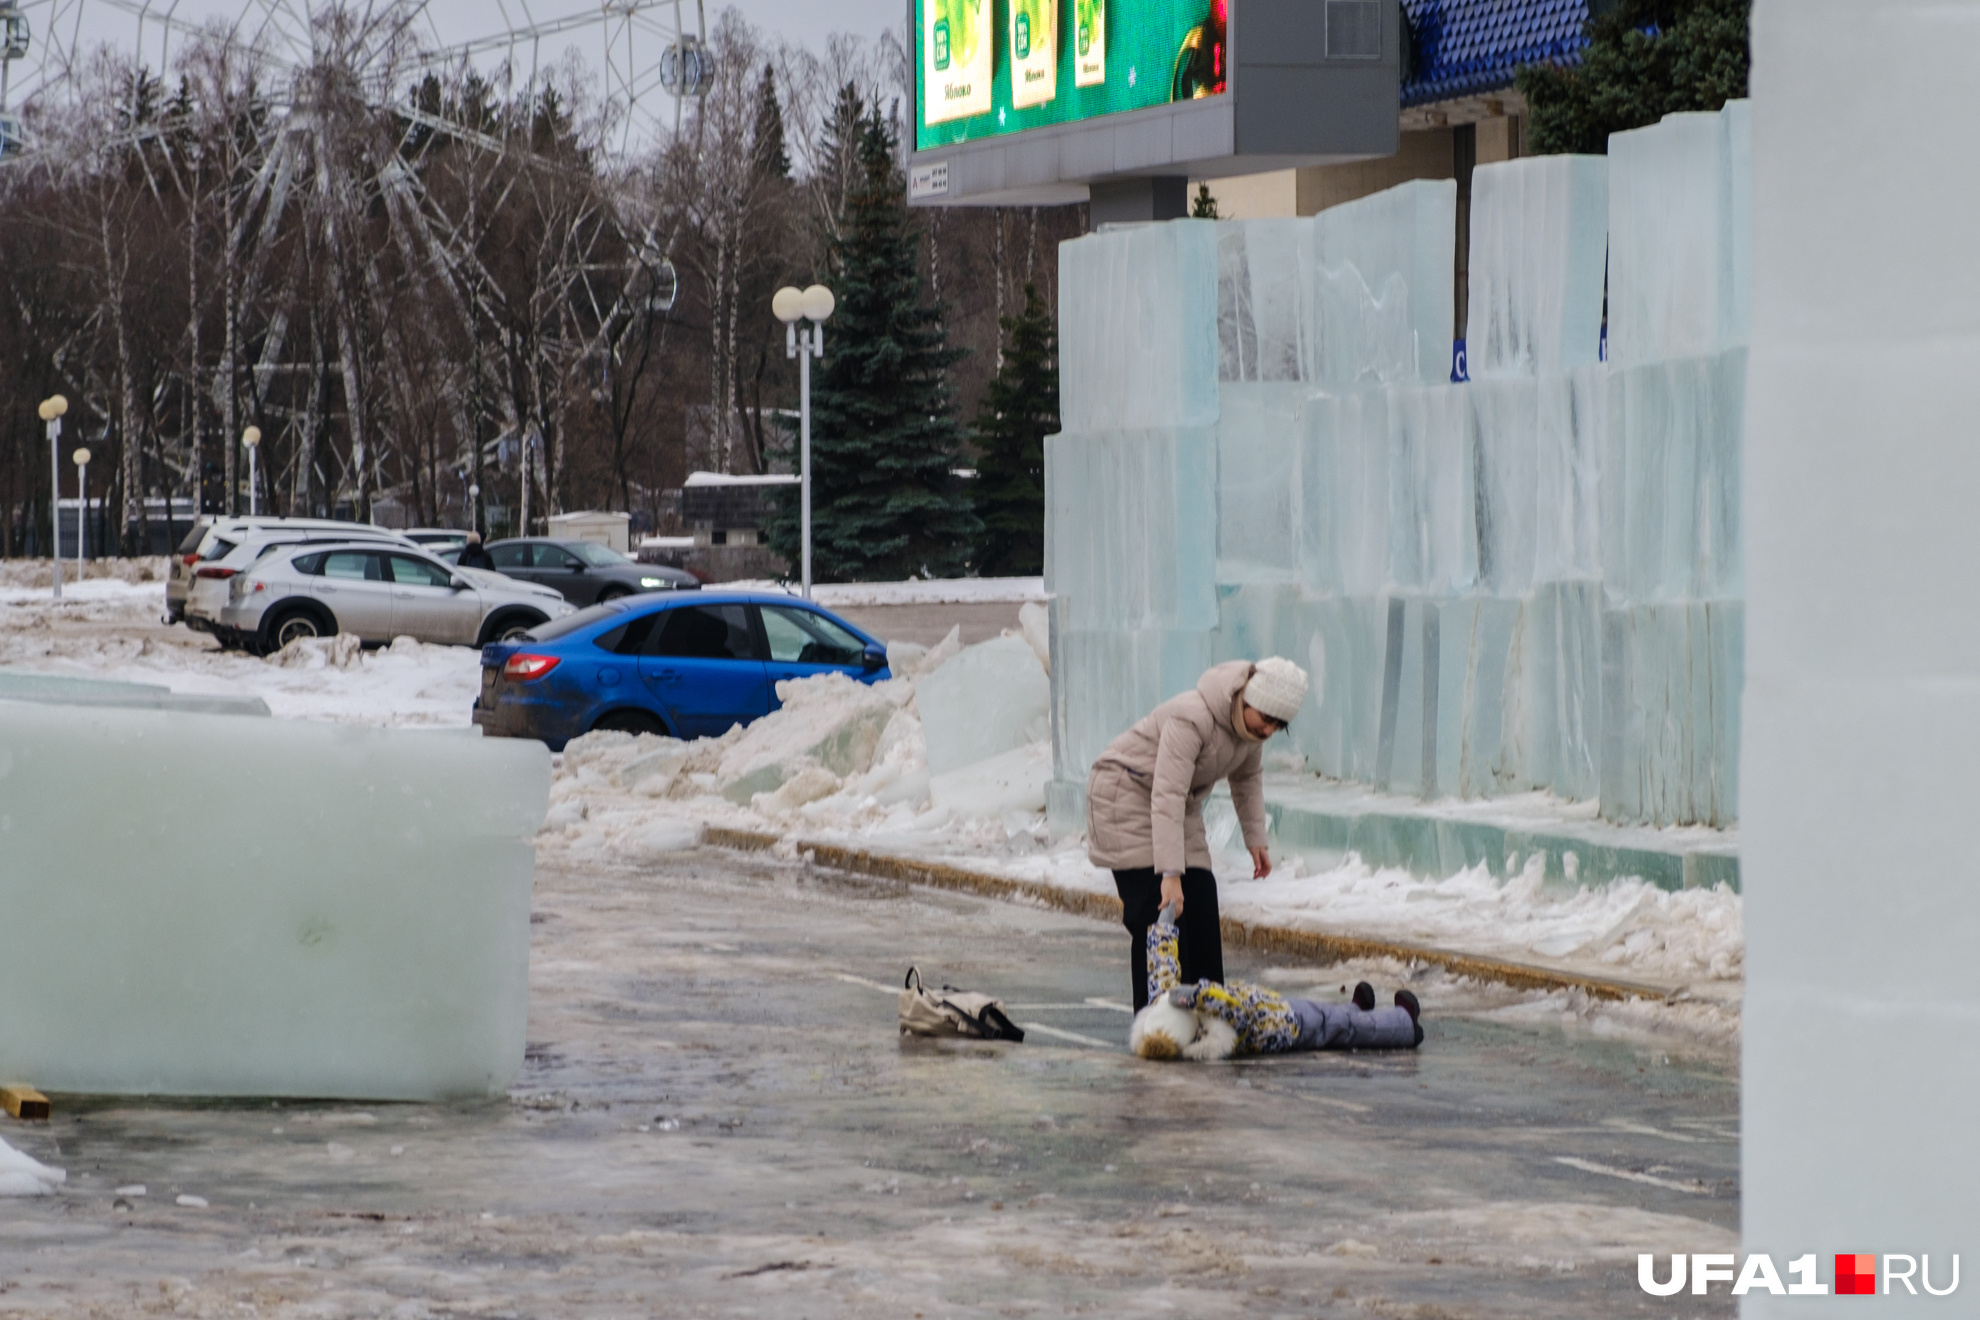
952,1012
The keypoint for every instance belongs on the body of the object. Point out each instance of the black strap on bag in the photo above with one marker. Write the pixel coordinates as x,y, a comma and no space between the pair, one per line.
952,1012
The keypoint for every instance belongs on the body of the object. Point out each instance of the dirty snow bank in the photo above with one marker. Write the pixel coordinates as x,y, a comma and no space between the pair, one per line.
949,760
23,1175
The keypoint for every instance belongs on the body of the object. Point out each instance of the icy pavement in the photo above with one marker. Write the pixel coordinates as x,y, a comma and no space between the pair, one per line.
849,764
717,1119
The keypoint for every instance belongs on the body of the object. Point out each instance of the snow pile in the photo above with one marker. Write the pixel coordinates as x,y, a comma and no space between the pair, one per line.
1628,928
34,575
107,628
23,1175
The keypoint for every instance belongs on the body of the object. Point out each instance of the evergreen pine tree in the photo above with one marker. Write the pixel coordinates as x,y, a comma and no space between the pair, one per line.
1020,409
884,440
773,159
1645,59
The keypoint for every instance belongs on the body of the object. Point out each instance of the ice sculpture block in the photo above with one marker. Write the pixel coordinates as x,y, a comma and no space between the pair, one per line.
1677,251
1265,319
1138,328
206,905
1539,247
1131,527
99,692
991,698
1382,286
1258,522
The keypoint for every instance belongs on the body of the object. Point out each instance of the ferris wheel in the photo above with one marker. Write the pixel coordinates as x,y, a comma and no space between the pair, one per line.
649,56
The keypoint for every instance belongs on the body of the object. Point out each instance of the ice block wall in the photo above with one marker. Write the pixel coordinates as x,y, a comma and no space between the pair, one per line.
1673,629
199,904
1862,742
1526,581
1131,482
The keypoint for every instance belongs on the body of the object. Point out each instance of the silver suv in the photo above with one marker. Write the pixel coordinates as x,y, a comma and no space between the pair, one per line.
211,538
209,592
378,592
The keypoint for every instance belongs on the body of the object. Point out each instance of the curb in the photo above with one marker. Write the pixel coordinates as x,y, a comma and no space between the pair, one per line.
1319,946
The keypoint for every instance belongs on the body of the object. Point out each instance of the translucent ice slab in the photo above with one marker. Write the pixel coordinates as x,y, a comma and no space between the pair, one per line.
1138,328
204,905
991,698
1258,488
1678,241
1539,243
1131,527
98,692
1383,275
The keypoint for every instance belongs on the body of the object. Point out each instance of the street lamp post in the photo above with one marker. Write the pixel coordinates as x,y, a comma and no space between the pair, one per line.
474,507
51,411
81,460
814,305
252,439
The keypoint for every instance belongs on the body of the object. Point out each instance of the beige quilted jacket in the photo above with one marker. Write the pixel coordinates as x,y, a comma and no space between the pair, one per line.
1144,798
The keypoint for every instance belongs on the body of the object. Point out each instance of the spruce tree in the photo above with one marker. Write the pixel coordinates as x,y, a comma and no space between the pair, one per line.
773,159
884,439
1645,59
1020,408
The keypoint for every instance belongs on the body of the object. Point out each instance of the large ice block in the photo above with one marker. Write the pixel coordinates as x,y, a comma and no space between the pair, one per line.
1539,248
991,698
1344,481
1105,680
1672,460
1138,328
1383,278
65,691
201,904
1258,486
1677,253
1131,527
1266,329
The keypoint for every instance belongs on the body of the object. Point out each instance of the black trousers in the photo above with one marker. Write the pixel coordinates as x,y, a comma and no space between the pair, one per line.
1199,936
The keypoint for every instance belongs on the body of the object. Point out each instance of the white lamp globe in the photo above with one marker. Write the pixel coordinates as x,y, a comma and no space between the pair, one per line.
251,437
53,406
818,303
80,457
788,304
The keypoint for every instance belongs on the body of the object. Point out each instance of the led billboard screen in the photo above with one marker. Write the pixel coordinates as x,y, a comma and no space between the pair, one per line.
990,67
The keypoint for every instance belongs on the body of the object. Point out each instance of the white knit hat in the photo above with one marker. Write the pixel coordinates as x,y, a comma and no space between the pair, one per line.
1277,688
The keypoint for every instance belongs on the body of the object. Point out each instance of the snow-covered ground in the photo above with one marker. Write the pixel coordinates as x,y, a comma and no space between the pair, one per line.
948,768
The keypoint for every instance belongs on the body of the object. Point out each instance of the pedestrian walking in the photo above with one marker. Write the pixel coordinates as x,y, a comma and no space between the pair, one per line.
1144,804
474,554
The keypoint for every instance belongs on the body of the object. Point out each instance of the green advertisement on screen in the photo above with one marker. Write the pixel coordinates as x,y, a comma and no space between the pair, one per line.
990,67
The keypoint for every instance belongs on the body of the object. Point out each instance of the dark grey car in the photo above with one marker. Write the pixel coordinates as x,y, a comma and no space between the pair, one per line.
584,571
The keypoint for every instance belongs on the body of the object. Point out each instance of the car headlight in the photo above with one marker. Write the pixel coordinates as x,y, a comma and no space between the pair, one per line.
653,582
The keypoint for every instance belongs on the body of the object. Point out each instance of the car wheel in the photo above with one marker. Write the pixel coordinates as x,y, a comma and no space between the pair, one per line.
509,627
629,721
294,626
612,593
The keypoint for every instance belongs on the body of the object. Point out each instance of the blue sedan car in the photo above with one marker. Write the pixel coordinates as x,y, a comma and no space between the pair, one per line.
690,667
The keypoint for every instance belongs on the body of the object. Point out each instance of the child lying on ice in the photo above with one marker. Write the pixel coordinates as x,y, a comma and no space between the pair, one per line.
1212,1021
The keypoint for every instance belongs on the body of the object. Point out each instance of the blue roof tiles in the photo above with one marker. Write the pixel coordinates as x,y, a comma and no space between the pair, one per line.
1465,47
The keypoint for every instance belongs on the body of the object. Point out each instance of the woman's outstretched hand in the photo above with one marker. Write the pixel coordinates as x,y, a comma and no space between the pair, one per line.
1172,893
1261,863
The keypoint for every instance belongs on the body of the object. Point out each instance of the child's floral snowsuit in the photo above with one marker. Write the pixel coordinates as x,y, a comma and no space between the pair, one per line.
1262,1018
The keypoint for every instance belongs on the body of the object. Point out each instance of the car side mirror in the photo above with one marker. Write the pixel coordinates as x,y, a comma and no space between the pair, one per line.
874,657
459,583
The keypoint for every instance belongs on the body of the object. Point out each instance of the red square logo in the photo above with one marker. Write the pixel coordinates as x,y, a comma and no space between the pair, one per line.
1856,1274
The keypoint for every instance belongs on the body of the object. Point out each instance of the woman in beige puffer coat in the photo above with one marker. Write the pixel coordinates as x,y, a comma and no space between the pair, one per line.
1144,804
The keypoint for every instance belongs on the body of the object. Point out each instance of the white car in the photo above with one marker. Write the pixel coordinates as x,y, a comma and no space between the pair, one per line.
228,558
211,538
378,592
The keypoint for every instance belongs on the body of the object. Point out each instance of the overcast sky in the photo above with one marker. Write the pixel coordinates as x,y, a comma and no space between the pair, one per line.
807,21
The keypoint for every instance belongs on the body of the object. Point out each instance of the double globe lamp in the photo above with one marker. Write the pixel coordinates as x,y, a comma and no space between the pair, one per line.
791,306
